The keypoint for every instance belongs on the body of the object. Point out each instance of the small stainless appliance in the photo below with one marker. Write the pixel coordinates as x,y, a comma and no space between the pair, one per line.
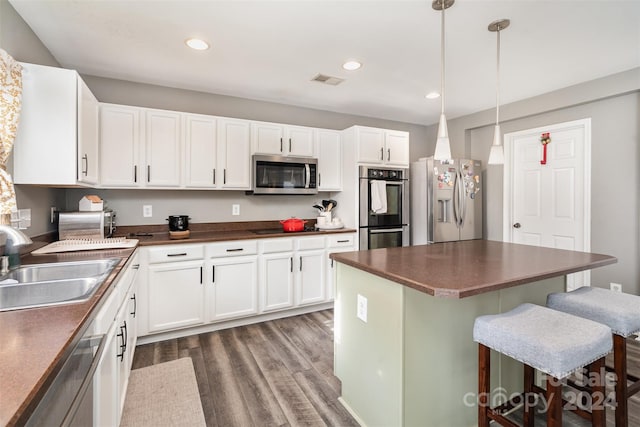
446,200
384,208
284,175
86,224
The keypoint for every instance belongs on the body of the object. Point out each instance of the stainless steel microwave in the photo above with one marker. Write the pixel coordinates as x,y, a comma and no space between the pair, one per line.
284,175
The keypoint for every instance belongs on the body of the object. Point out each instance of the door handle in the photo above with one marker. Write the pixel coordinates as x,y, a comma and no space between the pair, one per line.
516,225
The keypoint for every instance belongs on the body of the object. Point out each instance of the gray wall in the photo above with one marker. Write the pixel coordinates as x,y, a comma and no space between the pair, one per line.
613,104
21,43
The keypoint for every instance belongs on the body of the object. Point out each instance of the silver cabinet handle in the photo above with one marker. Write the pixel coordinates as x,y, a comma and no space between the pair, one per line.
388,154
289,144
235,250
85,161
135,173
180,254
281,145
214,177
381,153
148,173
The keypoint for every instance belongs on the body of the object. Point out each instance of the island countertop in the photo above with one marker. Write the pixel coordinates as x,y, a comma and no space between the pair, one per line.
472,267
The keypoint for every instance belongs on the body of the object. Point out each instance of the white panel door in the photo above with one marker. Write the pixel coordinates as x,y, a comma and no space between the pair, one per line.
234,155
329,160
548,204
119,146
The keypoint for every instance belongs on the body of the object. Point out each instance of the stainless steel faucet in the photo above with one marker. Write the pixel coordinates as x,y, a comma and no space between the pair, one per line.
15,239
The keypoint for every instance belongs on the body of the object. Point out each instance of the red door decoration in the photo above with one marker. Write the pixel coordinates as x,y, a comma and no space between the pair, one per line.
544,139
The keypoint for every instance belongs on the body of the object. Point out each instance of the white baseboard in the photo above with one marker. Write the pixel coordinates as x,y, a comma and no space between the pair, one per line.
162,336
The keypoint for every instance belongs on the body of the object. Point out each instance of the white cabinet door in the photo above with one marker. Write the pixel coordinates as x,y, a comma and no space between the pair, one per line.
310,277
233,288
201,151
45,149
282,140
267,138
163,148
397,148
370,145
119,146
234,154
299,141
105,382
329,160
88,151
276,281
175,295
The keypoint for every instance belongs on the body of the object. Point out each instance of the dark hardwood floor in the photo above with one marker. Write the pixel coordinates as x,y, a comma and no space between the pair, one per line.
280,373
277,373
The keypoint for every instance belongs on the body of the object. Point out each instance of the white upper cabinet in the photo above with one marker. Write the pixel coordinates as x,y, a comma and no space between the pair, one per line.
120,146
329,160
57,129
88,150
282,140
163,148
234,154
381,146
201,155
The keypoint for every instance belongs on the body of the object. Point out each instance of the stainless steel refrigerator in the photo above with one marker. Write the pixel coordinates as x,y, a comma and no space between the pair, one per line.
446,200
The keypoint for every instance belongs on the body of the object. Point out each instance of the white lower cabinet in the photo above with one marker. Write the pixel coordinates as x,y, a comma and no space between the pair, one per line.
310,288
232,287
117,320
188,285
276,274
336,243
175,295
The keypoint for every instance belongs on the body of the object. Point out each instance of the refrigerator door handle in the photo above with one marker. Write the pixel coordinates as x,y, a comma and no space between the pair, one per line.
463,200
455,200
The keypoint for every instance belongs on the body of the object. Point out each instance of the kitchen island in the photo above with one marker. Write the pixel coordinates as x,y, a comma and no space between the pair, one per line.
404,317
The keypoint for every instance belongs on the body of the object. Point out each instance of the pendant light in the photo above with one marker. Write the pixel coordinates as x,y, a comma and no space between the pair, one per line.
443,147
496,155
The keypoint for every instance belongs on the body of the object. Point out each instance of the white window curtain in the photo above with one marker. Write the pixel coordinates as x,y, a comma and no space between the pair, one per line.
10,105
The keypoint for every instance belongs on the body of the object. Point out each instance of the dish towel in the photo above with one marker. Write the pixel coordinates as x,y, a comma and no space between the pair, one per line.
379,196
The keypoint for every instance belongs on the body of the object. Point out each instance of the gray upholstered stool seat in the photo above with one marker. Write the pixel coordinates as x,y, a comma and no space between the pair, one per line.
553,342
620,312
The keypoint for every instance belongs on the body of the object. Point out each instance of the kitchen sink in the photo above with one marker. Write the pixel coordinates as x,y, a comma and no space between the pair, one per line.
53,284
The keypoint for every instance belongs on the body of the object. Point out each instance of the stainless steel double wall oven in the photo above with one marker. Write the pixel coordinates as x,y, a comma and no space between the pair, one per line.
389,226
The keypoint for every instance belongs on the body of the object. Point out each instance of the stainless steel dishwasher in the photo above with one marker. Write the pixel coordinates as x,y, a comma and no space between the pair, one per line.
69,399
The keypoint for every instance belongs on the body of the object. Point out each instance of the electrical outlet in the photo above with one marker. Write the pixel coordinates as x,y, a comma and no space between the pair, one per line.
235,209
362,308
617,287
147,211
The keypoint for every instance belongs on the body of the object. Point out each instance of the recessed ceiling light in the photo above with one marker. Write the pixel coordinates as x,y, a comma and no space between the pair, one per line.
432,95
197,44
351,65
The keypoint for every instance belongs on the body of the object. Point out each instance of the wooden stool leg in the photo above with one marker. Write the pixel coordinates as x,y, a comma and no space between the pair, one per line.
554,402
484,384
620,368
529,396
597,373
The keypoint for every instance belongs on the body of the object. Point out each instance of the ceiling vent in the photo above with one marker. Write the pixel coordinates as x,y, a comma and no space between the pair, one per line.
329,80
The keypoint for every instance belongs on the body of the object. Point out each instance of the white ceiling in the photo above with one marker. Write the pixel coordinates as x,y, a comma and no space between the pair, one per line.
270,50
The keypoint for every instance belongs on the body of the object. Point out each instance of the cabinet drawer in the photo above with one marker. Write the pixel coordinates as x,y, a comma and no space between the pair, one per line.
304,243
340,240
276,245
235,248
173,253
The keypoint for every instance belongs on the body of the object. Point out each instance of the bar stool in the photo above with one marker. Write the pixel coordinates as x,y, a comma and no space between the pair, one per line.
550,341
620,312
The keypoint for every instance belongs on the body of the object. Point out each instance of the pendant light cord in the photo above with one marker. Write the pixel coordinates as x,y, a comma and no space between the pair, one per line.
498,80
442,4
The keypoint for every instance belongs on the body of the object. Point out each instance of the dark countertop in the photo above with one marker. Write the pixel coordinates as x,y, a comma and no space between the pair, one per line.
34,343
218,232
472,267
